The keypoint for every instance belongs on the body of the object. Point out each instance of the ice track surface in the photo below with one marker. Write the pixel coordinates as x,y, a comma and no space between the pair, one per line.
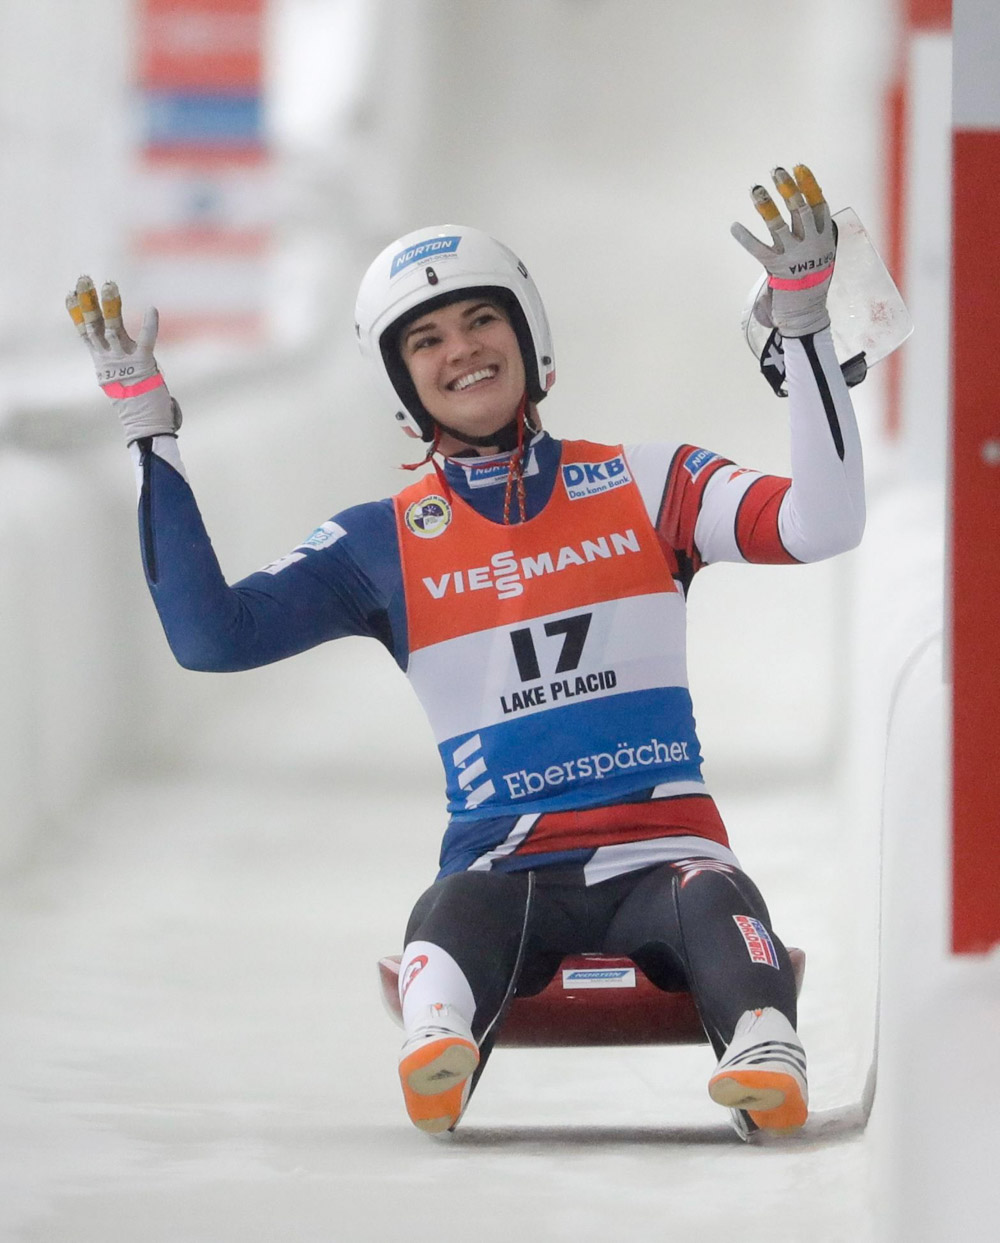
195,1050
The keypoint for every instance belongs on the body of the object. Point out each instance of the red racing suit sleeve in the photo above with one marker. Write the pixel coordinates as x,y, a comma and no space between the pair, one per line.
711,509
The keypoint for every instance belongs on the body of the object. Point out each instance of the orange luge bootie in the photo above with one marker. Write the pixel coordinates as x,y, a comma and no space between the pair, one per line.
763,1073
435,1069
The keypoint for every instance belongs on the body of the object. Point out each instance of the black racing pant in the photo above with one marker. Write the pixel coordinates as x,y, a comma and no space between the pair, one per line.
679,923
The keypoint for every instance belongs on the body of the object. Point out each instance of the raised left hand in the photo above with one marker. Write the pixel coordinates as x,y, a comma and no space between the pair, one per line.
800,261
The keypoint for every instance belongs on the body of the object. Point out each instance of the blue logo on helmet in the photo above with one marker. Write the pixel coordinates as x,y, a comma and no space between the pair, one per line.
433,248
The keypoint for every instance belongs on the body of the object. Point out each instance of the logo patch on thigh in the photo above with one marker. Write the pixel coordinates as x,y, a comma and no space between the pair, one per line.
415,966
760,947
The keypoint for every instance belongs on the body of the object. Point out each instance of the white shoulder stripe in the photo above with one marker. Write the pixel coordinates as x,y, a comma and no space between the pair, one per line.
715,530
649,465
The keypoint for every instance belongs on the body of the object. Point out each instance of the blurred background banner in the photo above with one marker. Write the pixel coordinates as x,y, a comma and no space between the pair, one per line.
203,209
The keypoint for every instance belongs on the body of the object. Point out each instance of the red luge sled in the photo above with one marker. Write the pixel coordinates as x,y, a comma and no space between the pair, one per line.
593,999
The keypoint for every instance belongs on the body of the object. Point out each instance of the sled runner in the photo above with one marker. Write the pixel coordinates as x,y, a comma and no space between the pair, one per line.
593,999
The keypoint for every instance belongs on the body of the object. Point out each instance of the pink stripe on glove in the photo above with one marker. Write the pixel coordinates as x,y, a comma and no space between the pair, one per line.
804,282
114,389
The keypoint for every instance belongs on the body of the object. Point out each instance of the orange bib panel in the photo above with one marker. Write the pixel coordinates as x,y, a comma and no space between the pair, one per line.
549,655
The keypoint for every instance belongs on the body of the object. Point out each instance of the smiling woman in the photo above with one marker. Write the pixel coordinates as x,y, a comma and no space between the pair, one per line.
545,642
468,302
465,363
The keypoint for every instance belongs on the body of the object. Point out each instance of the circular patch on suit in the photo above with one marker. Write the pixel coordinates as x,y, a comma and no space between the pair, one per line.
428,518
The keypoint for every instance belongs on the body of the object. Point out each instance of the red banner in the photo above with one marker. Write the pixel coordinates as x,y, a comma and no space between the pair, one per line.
200,44
975,551
928,14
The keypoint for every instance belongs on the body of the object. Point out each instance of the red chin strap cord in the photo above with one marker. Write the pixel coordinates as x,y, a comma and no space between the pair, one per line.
430,458
515,467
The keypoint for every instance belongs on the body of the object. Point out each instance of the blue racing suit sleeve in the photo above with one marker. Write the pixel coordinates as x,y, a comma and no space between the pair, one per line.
345,579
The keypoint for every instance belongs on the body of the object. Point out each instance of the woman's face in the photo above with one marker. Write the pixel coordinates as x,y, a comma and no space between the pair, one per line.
466,365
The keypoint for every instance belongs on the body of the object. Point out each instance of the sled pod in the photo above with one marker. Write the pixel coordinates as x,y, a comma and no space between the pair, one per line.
593,999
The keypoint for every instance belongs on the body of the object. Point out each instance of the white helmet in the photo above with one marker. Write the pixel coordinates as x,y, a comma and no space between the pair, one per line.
428,268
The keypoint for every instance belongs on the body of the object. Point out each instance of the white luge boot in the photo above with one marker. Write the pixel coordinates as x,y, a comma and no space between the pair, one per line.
436,1064
763,1072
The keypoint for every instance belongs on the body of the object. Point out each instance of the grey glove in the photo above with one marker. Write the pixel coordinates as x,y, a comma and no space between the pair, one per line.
800,263
126,369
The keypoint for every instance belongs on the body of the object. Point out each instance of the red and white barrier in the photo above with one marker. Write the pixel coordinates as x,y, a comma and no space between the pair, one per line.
917,212
975,479
934,1125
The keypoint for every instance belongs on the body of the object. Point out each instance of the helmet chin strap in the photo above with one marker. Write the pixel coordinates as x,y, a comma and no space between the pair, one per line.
505,439
508,439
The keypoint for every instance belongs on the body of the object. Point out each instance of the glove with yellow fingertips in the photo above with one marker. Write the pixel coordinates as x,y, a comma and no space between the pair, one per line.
800,261
126,369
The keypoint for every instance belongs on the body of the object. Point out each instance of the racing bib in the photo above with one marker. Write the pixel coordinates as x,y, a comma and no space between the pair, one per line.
549,656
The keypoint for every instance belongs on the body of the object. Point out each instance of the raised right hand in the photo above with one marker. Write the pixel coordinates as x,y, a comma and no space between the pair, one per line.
126,369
